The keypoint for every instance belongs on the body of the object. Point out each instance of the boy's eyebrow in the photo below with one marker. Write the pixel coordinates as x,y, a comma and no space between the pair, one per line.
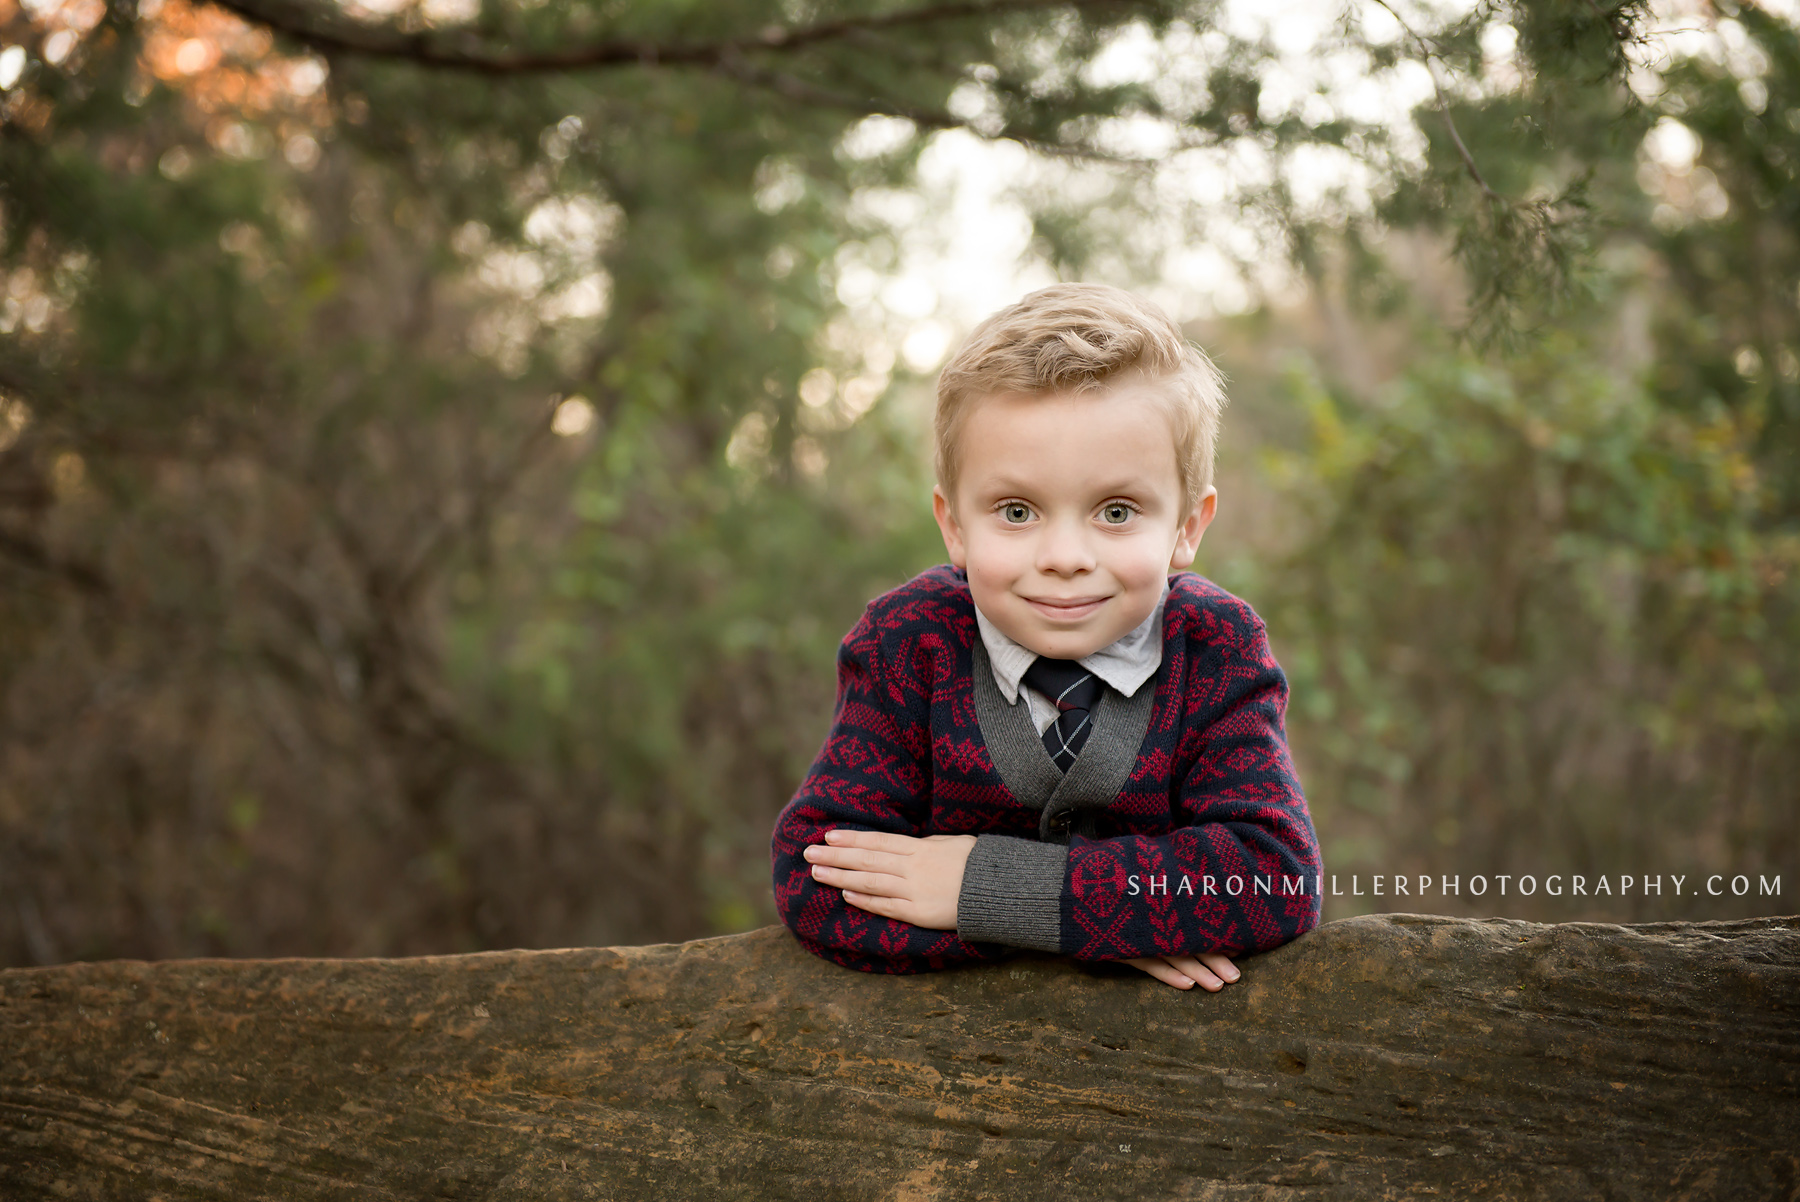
1000,484
1124,487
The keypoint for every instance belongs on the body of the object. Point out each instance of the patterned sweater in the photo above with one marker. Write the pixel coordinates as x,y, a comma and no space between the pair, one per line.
1191,836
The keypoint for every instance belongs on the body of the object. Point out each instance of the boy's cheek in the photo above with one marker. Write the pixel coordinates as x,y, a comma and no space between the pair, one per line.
983,590
987,564
992,594
1147,566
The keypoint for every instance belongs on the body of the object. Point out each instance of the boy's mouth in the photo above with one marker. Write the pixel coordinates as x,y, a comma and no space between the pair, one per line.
1065,609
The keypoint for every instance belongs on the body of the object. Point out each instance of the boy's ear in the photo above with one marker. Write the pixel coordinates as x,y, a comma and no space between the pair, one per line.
947,525
1187,539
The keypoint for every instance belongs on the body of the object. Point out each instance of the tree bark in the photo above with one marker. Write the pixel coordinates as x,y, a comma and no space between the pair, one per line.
1389,1056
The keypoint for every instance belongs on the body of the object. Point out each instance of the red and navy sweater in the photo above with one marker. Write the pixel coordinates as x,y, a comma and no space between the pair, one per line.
1208,846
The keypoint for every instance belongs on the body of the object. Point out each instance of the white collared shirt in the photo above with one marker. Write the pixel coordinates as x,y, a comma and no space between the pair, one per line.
1125,663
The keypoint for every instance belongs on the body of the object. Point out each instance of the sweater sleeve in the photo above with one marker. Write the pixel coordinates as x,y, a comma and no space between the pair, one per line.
874,774
1239,876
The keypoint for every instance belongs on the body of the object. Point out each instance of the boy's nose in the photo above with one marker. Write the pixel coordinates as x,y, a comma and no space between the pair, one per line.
1064,550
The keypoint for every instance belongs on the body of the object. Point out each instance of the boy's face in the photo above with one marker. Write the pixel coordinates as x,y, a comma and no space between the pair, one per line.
1068,515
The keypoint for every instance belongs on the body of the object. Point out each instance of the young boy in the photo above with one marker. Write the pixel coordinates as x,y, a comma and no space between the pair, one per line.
1052,742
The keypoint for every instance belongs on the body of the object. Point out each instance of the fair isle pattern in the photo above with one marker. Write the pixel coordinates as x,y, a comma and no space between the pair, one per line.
1213,793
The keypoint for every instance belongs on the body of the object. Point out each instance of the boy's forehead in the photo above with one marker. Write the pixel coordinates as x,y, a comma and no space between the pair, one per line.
1123,400
1006,443
1099,412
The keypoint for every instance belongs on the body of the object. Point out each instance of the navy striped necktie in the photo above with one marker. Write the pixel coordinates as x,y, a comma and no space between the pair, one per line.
1076,691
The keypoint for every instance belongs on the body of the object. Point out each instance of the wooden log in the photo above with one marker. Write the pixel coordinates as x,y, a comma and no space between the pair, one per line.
1392,1056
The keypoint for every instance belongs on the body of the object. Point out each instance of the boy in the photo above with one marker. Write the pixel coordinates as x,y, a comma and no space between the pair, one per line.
1052,742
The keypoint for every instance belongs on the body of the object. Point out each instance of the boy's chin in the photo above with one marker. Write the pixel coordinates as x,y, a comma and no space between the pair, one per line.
1072,651
1061,644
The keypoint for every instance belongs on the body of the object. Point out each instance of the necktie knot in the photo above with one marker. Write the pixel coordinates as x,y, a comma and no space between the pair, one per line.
1075,691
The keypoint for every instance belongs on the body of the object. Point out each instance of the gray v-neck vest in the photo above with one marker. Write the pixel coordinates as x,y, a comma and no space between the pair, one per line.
1066,801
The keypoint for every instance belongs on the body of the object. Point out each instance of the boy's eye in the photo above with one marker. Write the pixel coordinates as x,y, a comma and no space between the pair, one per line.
1116,514
1014,511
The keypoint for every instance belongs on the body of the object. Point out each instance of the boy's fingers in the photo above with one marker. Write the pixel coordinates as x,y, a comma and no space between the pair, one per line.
1206,980
1222,965
853,857
1162,970
877,884
872,840
887,907
1201,968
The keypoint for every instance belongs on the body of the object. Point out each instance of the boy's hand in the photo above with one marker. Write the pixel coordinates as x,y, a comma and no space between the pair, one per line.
1211,971
895,876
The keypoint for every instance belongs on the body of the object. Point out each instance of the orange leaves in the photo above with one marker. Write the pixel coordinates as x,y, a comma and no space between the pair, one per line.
226,66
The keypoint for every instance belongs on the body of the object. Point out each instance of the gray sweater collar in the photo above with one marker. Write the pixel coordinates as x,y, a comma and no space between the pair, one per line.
1025,767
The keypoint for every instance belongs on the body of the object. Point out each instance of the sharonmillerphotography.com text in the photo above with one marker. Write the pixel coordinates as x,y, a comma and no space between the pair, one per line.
1426,885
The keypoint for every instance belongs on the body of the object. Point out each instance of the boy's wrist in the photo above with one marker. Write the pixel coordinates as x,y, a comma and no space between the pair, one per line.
1012,892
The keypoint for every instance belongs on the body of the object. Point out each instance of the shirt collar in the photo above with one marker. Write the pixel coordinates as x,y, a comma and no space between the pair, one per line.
1125,663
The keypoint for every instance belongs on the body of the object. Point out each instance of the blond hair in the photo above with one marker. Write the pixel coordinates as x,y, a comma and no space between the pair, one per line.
1080,338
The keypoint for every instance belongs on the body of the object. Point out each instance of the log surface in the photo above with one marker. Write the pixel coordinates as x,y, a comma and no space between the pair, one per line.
1389,1056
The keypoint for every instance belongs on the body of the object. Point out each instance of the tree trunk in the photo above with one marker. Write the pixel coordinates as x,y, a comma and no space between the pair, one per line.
1385,1056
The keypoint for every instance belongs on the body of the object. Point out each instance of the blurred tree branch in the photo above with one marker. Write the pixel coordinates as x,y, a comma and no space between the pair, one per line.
1431,57
733,58
307,24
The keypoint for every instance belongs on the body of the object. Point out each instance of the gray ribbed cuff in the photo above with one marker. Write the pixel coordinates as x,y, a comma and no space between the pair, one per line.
1012,892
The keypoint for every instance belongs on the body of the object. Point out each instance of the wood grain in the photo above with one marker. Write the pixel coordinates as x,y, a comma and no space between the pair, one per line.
1392,1056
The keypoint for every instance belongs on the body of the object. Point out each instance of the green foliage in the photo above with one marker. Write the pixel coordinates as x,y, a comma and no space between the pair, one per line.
1533,623
1542,610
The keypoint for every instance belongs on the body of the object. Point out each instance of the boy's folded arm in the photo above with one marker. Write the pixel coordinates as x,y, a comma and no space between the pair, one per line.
866,777
1249,856
1249,824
